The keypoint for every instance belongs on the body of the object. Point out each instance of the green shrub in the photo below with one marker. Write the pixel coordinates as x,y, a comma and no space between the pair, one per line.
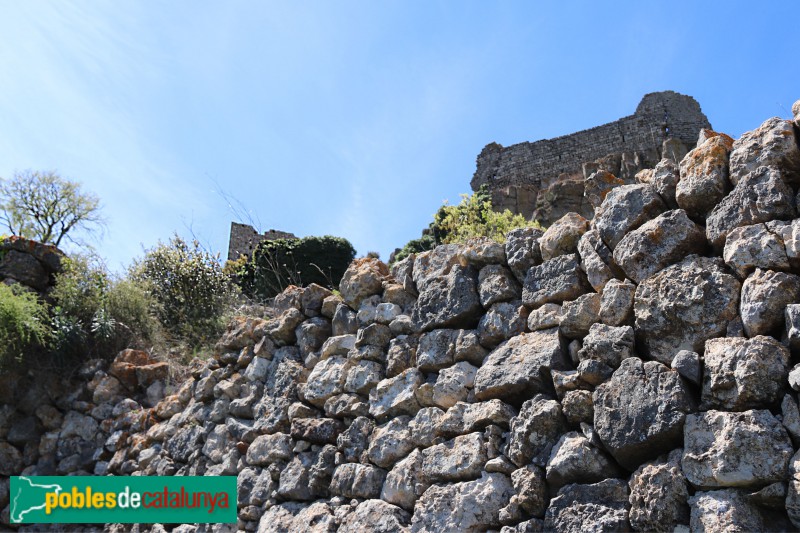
97,315
472,217
277,264
23,324
190,292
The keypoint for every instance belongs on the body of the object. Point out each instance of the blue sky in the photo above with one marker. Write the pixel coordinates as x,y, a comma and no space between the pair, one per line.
355,119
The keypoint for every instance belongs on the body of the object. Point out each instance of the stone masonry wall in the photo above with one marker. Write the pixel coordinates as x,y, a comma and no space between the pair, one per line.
244,238
521,170
636,371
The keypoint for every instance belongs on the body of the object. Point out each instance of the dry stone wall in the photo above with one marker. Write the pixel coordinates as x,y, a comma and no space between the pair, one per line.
543,179
634,371
244,238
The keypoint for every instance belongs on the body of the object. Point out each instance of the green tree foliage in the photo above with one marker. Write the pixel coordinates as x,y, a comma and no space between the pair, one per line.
45,207
277,264
472,217
190,292
23,325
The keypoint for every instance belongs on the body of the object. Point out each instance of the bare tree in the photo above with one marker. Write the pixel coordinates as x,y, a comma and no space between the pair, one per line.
46,207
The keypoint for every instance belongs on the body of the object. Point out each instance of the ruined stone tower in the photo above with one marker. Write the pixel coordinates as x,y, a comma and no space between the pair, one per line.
244,238
544,179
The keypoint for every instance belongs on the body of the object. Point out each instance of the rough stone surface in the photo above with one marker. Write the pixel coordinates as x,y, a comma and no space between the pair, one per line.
519,366
772,144
497,283
658,243
747,449
466,506
535,431
616,302
641,391
683,306
449,301
575,460
704,175
626,208
554,281
741,374
759,196
721,511
562,236
598,507
755,246
459,459
523,251
659,495
608,344
765,295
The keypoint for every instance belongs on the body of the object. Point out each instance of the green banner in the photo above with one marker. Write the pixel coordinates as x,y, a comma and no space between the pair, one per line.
122,499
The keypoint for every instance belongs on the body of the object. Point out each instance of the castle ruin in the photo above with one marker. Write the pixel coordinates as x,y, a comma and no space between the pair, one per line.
244,238
544,179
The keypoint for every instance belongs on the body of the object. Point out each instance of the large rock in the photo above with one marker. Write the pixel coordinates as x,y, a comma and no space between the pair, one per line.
597,185
404,482
434,264
454,384
756,246
465,417
595,508
267,449
625,208
501,322
355,439
760,196
466,506
793,492
555,281
535,431
396,396
658,243
353,480
25,269
390,442
765,295
659,495
749,449
641,391
665,179
10,460
459,459
363,278
375,516
704,175
562,236
575,460
608,344
327,380
683,306
596,260
520,366
449,301
497,283
772,144
721,511
616,302
578,315
523,251
743,374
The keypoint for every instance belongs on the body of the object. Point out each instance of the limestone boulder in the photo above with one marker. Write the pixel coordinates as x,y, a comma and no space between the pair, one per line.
666,175
578,315
719,511
353,480
704,175
616,302
759,196
535,430
596,260
396,396
390,442
658,243
554,281
608,344
683,306
523,251
562,236
497,283
363,278
327,379
597,186
641,391
404,483
765,295
755,246
449,301
520,366
376,516
464,417
659,495
575,460
773,144
459,459
747,449
597,507
453,384
741,374
353,441
625,208
501,322
465,506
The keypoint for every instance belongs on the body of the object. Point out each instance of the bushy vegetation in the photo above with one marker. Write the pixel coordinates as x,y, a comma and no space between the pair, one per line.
188,290
96,315
472,217
277,264
24,324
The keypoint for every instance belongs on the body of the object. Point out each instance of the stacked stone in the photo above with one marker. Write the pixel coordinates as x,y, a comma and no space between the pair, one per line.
633,371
